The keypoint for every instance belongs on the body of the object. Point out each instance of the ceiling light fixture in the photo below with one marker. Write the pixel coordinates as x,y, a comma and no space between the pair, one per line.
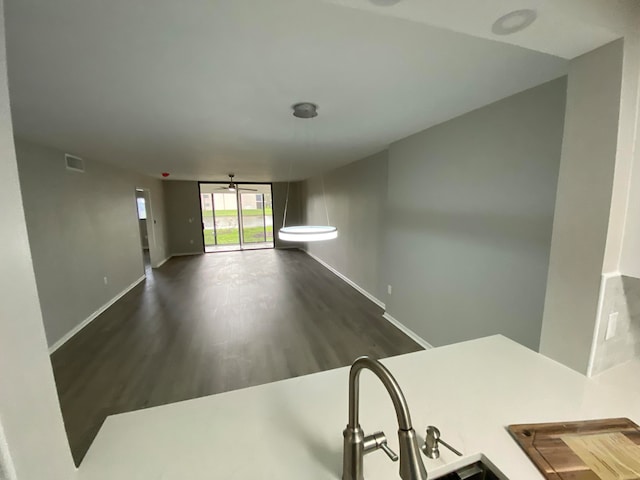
233,186
306,233
305,110
311,233
514,22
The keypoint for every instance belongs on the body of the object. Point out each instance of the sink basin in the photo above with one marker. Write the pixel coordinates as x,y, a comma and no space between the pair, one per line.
475,471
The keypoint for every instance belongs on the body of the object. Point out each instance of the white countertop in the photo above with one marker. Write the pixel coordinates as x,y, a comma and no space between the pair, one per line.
293,429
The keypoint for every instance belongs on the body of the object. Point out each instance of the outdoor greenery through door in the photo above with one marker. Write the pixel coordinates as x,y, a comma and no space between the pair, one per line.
235,220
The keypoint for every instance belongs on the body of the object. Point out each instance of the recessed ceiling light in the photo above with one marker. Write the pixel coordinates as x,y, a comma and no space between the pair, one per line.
305,110
514,22
384,3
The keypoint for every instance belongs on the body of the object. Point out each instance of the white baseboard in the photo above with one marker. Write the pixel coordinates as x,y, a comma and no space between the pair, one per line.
349,281
163,262
409,333
93,316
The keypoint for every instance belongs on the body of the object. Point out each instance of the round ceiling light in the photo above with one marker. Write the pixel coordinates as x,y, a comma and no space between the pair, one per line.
514,22
305,110
307,233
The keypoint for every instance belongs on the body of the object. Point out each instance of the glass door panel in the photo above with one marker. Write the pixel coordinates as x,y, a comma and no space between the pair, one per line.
256,217
227,223
208,220
236,220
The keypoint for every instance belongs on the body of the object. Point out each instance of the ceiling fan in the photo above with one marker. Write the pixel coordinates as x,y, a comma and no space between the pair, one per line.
232,187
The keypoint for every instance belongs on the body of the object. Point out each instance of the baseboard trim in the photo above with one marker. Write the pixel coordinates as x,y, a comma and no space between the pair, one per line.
408,332
163,262
186,254
346,279
93,316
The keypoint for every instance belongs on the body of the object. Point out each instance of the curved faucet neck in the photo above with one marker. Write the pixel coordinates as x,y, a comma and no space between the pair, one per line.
390,383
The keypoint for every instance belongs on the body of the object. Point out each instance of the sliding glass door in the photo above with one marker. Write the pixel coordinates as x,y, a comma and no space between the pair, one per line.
239,219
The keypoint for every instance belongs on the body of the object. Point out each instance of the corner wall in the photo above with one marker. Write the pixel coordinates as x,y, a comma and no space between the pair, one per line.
582,206
82,228
621,295
184,218
33,444
294,210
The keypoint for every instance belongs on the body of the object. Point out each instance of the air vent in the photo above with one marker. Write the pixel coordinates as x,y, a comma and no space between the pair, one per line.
74,163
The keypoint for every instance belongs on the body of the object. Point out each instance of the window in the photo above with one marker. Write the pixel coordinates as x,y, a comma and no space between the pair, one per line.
142,208
259,201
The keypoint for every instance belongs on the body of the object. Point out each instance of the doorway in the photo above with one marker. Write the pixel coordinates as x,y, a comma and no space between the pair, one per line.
143,208
236,219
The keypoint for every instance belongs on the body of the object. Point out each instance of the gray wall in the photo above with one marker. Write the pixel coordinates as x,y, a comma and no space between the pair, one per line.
356,200
184,219
33,444
470,213
583,206
82,227
294,210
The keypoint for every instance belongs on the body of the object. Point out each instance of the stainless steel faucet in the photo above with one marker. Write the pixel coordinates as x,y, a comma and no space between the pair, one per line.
356,444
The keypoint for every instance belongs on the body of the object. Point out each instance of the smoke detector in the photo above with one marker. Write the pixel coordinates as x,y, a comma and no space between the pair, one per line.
305,110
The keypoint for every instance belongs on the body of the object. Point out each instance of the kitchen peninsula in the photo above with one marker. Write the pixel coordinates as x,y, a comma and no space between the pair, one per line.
293,429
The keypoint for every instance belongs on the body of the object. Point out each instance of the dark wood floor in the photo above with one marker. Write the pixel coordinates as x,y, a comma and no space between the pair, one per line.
213,323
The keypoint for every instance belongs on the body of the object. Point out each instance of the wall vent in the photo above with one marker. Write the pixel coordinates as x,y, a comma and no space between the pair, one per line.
74,163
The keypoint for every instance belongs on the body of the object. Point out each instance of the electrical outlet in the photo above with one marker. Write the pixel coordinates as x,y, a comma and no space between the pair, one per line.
106,280
612,325
191,242
389,289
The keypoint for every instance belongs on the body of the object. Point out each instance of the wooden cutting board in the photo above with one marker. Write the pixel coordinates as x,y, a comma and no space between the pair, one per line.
600,449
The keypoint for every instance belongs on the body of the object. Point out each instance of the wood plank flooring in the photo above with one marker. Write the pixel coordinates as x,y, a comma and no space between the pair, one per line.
213,323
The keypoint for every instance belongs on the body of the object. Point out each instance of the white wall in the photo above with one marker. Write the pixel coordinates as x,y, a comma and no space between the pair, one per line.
620,294
630,137
470,211
33,444
83,227
355,197
622,251
582,206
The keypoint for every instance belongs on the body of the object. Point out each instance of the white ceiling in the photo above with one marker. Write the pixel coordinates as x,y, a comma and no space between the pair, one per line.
565,28
204,87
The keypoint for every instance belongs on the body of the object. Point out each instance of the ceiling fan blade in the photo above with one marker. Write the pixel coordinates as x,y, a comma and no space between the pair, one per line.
248,189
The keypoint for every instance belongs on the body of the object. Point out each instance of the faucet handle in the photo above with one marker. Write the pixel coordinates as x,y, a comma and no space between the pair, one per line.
377,441
390,453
